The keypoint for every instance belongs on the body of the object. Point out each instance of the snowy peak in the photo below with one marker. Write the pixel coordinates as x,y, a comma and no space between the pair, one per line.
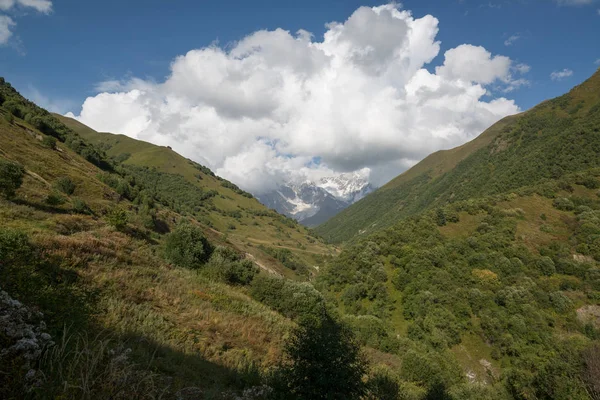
313,202
349,187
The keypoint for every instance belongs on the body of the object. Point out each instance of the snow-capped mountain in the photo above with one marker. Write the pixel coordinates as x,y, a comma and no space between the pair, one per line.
314,202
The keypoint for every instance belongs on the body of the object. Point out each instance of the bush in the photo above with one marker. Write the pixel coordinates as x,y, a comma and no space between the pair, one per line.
546,266
227,266
11,177
14,245
65,185
49,142
187,247
8,117
81,207
117,218
563,204
54,199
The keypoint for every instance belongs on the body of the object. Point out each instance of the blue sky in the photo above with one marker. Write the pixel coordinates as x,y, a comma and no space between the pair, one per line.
64,54
258,107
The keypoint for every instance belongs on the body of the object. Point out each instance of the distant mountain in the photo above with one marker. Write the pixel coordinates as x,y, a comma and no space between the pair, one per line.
313,203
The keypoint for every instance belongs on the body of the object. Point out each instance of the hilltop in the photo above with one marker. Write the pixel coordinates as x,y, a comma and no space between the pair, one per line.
555,138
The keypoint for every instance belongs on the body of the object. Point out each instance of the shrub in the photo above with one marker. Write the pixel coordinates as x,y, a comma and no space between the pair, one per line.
228,266
65,185
54,199
187,247
8,117
117,218
49,142
563,204
14,245
546,266
81,207
11,177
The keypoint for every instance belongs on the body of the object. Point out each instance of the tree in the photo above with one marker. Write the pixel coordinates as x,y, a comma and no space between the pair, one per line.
187,247
11,177
324,361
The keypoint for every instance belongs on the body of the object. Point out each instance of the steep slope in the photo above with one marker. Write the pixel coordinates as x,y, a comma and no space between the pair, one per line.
556,137
217,202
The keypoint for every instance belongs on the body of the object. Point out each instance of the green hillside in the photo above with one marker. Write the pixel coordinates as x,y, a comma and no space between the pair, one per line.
217,202
143,287
553,139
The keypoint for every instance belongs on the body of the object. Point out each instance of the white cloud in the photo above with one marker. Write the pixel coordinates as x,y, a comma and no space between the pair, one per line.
6,23
43,6
597,62
474,64
512,39
276,106
560,75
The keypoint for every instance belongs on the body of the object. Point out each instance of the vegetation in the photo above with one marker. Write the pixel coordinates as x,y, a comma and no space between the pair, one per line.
188,247
482,286
323,362
65,185
11,177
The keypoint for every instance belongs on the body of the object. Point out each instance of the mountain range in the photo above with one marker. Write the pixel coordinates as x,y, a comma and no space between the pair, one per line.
314,202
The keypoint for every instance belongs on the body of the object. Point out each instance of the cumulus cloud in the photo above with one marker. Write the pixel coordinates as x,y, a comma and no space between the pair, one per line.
277,106
560,75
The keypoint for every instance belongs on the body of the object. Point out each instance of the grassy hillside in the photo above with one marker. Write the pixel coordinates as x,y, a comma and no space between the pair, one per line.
84,240
553,139
214,201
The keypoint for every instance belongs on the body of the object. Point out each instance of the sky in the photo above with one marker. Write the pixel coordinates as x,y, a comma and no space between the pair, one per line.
264,92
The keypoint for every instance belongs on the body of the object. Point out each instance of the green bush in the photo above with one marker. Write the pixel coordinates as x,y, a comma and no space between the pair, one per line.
11,177
8,117
81,207
292,299
14,246
49,142
546,266
54,199
187,247
228,266
117,218
65,185
563,204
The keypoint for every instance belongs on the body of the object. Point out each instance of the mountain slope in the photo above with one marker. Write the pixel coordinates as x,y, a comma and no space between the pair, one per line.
227,208
556,137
